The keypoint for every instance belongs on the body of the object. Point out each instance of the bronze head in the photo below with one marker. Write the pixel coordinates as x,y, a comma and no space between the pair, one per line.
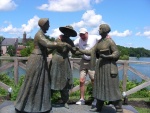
42,21
44,24
104,28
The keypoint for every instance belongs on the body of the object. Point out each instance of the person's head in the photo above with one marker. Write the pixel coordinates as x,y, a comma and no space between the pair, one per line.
104,29
83,33
68,31
44,24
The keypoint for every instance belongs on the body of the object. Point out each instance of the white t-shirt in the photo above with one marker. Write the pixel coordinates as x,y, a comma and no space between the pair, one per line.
87,44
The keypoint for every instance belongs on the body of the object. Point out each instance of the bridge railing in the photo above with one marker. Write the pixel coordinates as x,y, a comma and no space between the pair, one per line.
75,63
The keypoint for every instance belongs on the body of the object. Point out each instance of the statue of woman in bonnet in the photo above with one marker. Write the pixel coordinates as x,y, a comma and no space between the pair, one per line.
60,68
34,95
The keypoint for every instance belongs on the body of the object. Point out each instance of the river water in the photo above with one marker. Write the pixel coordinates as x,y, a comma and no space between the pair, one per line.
144,69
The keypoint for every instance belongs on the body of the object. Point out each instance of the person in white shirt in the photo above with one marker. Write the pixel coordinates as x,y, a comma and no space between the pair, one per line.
85,42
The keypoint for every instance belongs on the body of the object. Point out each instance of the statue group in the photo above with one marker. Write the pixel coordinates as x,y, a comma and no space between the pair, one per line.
42,78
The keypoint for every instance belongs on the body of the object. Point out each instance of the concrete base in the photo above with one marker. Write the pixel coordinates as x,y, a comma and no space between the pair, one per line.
8,107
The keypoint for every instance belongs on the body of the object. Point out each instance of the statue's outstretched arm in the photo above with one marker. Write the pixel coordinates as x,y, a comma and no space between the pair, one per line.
45,42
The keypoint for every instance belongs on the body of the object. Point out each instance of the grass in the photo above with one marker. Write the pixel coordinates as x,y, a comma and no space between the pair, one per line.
139,99
142,110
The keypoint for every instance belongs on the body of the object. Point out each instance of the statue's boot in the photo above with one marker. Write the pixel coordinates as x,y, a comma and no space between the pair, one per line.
98,107
65,97
66,105
118,106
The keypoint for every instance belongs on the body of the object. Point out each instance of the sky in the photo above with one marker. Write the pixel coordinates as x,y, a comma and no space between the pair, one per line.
129,19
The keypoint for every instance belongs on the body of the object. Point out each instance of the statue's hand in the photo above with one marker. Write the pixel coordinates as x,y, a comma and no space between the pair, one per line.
74,48
103,56
68,45
61,44
77,49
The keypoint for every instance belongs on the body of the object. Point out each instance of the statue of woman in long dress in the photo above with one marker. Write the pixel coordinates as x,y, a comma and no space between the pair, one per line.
35,94
106,79
60,67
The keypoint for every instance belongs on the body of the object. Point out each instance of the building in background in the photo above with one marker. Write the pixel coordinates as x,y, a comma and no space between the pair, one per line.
18,43
8,42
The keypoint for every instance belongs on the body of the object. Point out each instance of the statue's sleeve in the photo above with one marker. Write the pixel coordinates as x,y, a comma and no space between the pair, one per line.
93,59
114,50
92,53
45,42
115,56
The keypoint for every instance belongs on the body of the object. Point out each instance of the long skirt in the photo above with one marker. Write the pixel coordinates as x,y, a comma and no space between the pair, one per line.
60,73
34,95
106,86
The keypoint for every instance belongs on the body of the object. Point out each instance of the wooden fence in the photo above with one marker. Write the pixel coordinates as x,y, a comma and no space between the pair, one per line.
75,63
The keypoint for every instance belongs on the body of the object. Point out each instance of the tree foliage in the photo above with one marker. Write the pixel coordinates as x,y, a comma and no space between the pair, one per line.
125,52
52,39
1,38
11,50
28,50
133,52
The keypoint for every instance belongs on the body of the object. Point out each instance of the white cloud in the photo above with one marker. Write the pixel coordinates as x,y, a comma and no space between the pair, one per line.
7,5
96,36
138,34
145,33
79,24
10,29
67,5
55,33
89,19
123,34
94,31
97,1
31,24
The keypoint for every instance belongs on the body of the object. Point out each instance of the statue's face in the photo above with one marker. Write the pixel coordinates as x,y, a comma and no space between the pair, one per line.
46,26
67,33
100,30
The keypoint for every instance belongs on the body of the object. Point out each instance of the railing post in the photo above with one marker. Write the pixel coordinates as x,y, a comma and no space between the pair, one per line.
125,68
71,62
16,63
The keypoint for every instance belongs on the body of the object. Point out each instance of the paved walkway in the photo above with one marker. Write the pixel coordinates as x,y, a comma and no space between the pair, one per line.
7,107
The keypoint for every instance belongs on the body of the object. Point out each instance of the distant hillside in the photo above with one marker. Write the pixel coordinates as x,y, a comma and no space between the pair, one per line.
134,52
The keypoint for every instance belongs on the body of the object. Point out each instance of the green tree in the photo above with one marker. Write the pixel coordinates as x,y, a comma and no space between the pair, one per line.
28,50
52,39
11,50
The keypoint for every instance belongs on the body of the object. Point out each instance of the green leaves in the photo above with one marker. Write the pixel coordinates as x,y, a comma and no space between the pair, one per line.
27,51
11,50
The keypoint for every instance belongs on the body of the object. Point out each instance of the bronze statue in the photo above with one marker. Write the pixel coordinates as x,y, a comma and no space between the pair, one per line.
60,68
34,95
106,79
